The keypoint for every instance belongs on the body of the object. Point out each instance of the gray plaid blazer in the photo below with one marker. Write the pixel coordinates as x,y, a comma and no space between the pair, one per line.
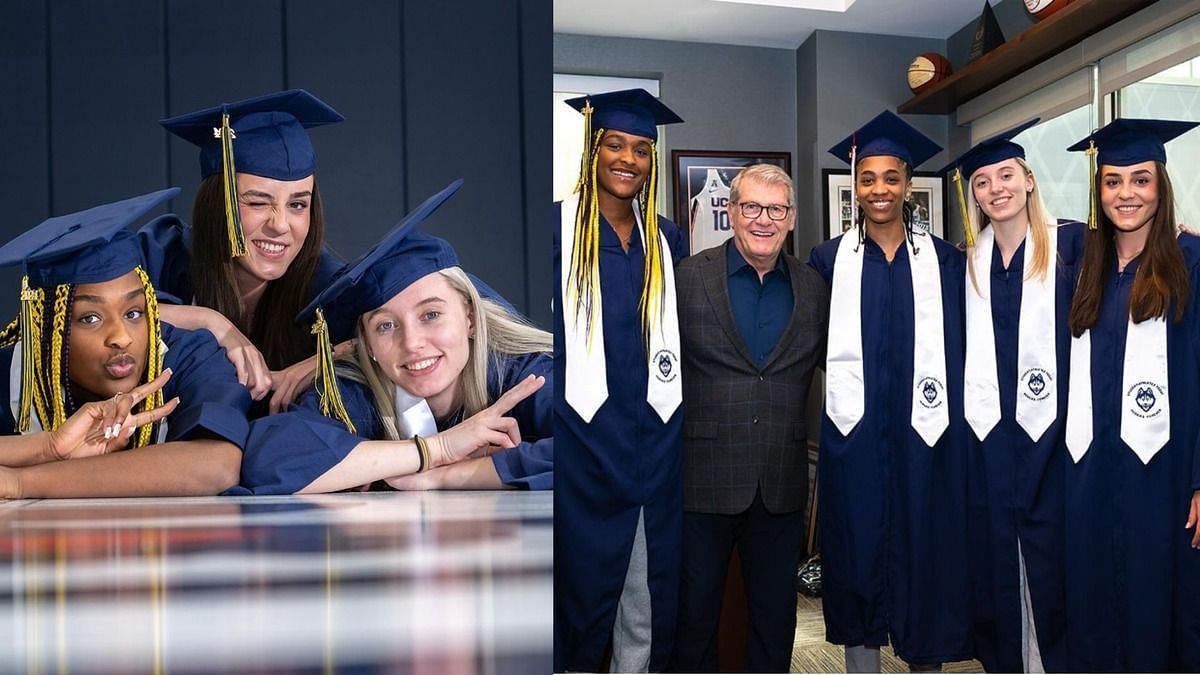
743,428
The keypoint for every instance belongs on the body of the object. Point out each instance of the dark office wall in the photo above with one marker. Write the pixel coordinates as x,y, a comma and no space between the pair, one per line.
430,91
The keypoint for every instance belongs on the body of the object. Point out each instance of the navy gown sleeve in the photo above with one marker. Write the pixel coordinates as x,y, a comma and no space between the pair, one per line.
675,239
530,464
211,402
286,452
166,244
822,256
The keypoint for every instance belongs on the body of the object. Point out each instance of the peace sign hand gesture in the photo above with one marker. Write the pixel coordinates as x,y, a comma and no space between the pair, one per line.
101,427
487,430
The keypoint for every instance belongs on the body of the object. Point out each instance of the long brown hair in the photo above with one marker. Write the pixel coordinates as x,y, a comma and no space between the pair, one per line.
274,330
1161,276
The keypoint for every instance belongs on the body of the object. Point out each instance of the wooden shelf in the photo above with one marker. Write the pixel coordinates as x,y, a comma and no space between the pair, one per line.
1048,37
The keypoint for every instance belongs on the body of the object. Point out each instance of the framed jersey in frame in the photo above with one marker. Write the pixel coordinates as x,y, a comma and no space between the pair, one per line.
701,179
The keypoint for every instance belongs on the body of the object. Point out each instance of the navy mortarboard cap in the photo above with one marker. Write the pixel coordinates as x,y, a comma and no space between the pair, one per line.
269,137
263,136
403,256
991,150
87,247
633,111
1127,141
888,135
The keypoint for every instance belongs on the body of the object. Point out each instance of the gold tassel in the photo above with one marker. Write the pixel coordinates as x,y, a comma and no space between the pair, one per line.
325,381
1091,152
30,320
233,216
585,161
962,206
651,303
58,399
154,358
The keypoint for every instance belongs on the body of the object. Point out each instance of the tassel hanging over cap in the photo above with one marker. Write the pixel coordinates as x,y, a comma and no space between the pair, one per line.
154,359
1091,153
233,217
325,381
30,320
962,206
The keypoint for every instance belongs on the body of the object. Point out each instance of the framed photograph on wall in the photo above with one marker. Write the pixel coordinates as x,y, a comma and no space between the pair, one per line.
928,195
701,179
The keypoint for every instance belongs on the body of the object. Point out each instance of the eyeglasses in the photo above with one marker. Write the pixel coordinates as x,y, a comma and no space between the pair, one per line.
774,211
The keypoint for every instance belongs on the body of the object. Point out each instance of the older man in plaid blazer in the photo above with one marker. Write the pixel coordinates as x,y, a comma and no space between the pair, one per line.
753,323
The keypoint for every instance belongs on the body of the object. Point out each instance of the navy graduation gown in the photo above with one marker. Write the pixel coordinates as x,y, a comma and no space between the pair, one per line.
211,402
1015,486
892,509
1132,578
624,461
286,452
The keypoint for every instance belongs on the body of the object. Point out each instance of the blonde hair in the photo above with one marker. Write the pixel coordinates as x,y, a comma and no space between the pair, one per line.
1039,222
504,333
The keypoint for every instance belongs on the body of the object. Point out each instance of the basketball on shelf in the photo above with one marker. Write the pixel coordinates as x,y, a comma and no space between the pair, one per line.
927,70
1041,9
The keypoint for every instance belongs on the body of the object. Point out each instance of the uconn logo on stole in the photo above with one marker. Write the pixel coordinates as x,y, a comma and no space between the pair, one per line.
667,365
931,392
1036,384
1143,399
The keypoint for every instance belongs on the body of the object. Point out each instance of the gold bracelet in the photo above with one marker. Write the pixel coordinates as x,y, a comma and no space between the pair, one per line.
422,454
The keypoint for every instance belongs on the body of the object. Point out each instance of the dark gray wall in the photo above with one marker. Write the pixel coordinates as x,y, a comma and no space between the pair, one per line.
733,98
430,93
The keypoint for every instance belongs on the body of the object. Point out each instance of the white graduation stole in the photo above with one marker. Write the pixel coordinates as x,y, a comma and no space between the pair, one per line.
35,425
845,392
1037,403
586,387
413,416
1145,401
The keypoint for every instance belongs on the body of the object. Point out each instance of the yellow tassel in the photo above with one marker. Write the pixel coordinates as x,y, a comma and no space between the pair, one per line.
62,294
1091,153
30,321
962,206
325,381
651,303
233,217
154,358
585,162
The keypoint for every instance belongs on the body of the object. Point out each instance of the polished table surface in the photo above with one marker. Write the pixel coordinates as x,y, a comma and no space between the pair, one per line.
393,582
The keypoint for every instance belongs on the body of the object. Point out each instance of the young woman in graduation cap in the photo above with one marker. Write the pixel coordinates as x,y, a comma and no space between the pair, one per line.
253,256
1133,479
1020,275
892,471
425,397
619,503
89,330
